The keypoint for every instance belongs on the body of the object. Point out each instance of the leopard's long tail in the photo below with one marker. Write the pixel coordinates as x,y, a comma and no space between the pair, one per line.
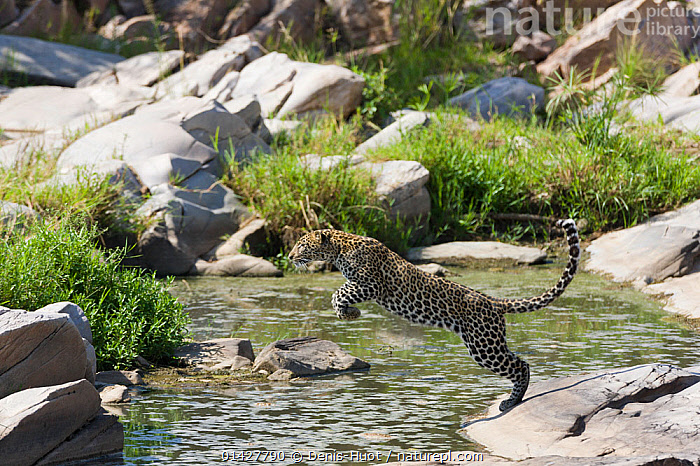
538,302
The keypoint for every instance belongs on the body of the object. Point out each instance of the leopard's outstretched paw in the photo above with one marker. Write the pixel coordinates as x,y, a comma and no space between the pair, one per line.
348,313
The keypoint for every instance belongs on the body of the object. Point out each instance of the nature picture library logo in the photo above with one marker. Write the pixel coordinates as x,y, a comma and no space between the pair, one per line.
650,18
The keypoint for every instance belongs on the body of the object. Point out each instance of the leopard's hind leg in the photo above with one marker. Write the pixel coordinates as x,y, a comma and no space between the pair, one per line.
487,345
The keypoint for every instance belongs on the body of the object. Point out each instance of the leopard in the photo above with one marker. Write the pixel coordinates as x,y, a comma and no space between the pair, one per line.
376,273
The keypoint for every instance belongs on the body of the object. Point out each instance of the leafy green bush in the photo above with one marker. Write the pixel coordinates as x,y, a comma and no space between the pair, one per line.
131,312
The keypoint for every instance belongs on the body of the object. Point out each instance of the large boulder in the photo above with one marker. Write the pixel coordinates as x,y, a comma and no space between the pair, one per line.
503,96
667,245
459,252
186,223
51,62
645,410
142,70
42,108
200,76
167,140
56,425
306,356
305,89
682,294
79,319
638,22
38,350
401,183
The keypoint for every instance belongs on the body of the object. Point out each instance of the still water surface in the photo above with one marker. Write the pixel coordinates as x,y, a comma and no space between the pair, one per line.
422,383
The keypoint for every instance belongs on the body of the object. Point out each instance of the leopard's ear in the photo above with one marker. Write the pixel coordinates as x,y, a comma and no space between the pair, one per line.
325,237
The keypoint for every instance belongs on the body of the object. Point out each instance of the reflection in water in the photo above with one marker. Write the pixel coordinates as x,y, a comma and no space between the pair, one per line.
422,383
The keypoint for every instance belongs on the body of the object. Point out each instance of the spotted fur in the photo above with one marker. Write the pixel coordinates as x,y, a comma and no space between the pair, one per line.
374,272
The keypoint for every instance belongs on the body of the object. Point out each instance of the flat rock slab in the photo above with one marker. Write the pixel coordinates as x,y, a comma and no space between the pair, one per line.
645,410
682,295
52,62
306,356
41,108
38,350
35,421
217,354
667,245
463,251
142,70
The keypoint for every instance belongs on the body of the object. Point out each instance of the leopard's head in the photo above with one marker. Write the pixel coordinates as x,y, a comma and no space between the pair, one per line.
315,246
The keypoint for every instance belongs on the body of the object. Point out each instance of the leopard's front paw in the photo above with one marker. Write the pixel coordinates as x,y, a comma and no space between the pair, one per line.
348,313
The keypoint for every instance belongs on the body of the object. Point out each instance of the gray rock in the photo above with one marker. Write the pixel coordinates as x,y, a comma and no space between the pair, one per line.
682,295
281,375
247,108
102,437
249,235
42,108
15,214
394,132
330,162
187,223
299,88
126,378
503,96
38,350
116,172
671,109
238,265
306,356
114,394
51,62
462,251
243,17
200,76
402,184
667,245
276,126
91,366
20,151
218,354
26,415
644,410
435,269
74,313
683,83
142,70
223,90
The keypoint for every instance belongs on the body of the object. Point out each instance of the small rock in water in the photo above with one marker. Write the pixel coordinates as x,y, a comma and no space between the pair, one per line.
435,269
114,394
127,378
305,356
281,375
